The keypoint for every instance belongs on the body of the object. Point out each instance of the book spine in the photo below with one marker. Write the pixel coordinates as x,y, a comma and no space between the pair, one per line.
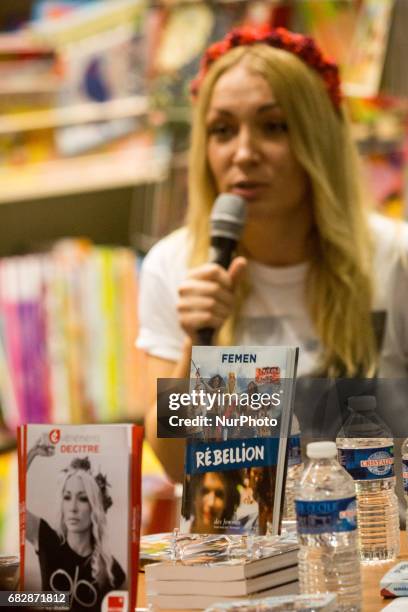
22,488
135,512
12,333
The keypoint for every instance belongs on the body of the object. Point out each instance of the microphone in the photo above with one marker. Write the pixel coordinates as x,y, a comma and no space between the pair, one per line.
226,224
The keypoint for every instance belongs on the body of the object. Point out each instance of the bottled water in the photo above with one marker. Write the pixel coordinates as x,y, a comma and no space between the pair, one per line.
404,457
366,451
295,469
327,528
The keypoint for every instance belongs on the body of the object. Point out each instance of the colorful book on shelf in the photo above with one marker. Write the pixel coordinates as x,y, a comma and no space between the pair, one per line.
364,67
8,502
109,310
178,51
79,489
11,385
87,20
332,24
33,339
235,461
67,326
130,391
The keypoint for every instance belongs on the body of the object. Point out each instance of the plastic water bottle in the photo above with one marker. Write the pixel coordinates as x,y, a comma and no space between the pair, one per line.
327,528
404,457
366,451
294,473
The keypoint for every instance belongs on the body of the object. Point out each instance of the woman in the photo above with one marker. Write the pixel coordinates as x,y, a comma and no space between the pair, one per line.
74,557
211,501
269,125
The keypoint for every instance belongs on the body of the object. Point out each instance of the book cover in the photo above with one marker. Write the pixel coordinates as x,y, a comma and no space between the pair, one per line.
241,404
79,490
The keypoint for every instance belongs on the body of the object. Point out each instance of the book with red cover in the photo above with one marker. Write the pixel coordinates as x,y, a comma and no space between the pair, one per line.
79,490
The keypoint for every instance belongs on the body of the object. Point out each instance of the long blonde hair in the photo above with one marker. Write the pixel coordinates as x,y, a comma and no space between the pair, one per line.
339,285
101,560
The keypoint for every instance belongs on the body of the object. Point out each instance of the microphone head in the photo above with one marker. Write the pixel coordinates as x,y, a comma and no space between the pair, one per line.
228,216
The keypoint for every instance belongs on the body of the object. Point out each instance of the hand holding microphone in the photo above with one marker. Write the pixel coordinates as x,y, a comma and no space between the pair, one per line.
206,297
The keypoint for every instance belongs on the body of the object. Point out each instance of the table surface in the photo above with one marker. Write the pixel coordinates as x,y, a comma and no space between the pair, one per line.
371,575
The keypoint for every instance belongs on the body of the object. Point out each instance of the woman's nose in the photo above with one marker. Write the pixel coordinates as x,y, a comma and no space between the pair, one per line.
211,498
247,147
73,505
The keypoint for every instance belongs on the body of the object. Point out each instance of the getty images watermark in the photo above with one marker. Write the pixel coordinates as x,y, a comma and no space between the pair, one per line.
199,404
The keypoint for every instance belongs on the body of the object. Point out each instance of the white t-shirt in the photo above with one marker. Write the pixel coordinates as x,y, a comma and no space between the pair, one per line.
275,311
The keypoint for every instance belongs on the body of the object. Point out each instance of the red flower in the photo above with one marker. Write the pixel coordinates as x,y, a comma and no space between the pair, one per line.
298,44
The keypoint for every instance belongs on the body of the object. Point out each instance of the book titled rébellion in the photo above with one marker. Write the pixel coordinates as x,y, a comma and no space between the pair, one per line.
80,506
235,463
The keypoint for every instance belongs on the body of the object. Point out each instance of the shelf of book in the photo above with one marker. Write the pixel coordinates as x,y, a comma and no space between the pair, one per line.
84,174
132,106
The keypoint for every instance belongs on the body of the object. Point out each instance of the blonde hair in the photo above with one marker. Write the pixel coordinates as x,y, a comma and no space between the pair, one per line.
339,284
101,560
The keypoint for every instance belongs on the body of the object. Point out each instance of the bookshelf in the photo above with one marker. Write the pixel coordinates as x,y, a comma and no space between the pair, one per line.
88,173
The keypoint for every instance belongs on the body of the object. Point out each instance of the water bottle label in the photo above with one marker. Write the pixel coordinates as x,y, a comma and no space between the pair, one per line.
294,452
368,463
405,474
329,515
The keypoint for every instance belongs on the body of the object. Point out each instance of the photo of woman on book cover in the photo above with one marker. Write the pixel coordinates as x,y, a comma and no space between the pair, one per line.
75,555
211,502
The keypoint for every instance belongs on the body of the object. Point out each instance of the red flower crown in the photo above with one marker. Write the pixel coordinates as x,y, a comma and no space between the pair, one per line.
298,44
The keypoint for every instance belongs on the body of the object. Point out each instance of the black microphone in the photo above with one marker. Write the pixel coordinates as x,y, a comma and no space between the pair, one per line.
226,224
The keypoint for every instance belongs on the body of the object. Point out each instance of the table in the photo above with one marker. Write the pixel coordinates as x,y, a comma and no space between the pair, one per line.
372,600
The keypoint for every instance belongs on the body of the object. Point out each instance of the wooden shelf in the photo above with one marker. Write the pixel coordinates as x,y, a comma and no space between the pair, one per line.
84,174
73,115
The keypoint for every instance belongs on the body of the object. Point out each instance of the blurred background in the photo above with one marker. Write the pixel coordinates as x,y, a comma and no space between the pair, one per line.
94,131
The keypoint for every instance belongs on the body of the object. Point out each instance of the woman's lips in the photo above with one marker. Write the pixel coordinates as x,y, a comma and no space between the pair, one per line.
249,191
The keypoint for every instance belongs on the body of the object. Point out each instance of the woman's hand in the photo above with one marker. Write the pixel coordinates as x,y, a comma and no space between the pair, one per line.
44,447
206,297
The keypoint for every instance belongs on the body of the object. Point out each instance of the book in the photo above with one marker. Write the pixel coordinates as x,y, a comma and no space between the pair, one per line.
194,602
223,558
79,493
236,455
231,588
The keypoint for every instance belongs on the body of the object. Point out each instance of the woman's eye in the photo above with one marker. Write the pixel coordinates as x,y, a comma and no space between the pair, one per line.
220,130
275,127
83,499
66,497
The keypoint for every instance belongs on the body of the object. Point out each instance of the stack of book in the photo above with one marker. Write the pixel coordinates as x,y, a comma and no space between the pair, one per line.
207,572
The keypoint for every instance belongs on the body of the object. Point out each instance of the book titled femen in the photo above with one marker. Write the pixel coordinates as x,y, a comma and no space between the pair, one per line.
79,490
236,456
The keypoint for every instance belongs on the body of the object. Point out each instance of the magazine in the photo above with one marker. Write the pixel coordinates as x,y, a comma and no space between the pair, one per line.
79,489
235,462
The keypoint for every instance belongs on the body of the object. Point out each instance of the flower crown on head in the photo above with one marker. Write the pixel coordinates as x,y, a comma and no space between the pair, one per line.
101,480
303,46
